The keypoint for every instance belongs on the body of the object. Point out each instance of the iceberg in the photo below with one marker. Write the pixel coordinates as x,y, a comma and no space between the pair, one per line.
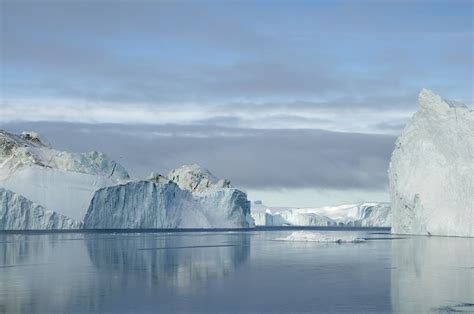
350,215
96,190
190,198
19,213
263,218
61,181
431,171
194,178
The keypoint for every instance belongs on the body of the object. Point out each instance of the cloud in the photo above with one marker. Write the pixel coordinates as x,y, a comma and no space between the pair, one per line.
333,116
207,52
298,95
254,159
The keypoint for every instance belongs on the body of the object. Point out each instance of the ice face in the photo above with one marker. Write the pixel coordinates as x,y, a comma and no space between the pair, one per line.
61,181
432,171
191,197
19,213
146,204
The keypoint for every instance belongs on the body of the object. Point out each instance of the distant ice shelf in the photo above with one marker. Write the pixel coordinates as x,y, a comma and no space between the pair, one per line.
350,215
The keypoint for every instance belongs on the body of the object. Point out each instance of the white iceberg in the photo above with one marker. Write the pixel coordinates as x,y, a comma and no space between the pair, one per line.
432,170
350,215
61,181
159,203
19,213
263,218
307,236
194,178
76,184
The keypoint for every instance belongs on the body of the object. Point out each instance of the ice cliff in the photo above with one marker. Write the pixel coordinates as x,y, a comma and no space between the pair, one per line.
191,197
353,215
76,184
61,181
19,213
432,170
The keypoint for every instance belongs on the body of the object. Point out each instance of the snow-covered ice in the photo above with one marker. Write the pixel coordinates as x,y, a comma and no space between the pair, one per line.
359,215
73,184
19,213
194,178
308,236
432,170
61,181
157,203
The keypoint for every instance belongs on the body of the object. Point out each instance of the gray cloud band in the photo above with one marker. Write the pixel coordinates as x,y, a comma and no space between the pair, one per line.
250,158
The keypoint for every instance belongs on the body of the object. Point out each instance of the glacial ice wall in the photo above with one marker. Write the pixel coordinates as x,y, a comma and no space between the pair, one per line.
19,213
61,181
432,170
146,204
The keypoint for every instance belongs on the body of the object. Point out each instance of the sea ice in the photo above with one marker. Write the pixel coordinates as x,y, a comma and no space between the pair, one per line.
307,236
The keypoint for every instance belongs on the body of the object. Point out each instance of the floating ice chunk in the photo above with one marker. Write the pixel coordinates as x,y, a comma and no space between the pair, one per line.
307,236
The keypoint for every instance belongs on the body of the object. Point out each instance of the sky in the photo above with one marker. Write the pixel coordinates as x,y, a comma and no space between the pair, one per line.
297,102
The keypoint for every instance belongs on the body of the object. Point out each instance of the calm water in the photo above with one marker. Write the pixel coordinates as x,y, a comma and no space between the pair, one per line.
233,272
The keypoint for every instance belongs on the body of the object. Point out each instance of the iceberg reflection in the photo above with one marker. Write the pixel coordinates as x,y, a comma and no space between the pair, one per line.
177,260
68,273
432,274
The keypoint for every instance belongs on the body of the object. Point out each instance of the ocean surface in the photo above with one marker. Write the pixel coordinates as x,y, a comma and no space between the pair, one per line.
234,272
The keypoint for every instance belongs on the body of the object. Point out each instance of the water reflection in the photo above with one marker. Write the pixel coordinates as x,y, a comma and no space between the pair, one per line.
178,260
208,272
432,274
65,273
35,272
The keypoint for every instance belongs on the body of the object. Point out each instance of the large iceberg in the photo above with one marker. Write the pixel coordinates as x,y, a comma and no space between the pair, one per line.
432,170
19,213
61,181
95,188
189,198
350,215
